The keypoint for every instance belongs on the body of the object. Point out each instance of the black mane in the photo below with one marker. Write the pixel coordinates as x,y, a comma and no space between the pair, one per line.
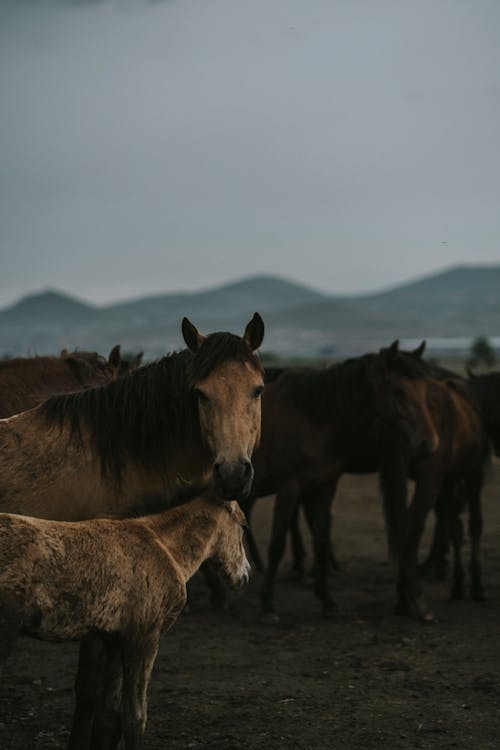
148,414
344,390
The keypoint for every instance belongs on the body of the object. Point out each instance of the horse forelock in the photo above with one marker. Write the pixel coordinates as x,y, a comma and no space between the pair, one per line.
216,349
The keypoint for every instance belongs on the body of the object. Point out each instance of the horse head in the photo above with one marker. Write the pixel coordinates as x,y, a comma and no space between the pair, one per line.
227,380
403,387
229,556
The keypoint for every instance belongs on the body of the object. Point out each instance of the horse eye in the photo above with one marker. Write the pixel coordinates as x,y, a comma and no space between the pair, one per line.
202,397
257,393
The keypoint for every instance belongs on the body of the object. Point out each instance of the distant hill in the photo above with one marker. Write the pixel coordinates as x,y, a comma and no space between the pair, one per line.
459,302
48,306
460,288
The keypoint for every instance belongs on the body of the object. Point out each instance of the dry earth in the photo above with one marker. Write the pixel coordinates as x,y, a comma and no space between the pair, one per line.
368,679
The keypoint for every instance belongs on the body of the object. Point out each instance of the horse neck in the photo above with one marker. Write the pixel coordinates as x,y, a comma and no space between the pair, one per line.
189,532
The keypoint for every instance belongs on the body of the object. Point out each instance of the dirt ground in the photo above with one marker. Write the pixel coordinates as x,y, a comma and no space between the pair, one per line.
369,679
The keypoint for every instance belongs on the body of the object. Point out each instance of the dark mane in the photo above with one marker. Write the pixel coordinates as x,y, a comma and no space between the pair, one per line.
150,412
218,348
345,390
341,389
144,415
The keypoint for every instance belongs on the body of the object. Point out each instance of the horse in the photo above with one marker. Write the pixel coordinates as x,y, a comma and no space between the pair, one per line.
131,443
27,381
477,413
320,423
123,579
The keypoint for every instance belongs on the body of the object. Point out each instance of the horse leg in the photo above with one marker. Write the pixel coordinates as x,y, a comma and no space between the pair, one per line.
457,538
436,566
107,728
298,549
255,556
284,506
137,659
475,531
410,597
9,631
88,691
318,513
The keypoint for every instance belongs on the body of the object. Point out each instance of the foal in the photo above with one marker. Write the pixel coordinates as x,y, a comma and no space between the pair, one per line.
123,579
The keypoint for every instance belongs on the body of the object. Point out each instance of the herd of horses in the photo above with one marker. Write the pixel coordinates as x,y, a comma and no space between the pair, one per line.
118,481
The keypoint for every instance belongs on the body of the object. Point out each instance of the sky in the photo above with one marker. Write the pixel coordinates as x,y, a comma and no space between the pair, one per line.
162,145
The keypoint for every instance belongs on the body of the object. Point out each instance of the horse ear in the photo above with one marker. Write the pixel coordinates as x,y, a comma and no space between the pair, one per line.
419,350
64,353
115,356
254,332
391,351
192,336
235,510
136,361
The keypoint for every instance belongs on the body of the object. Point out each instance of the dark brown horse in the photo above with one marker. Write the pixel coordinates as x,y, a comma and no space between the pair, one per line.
475,419
129,445
27,381
124,580
318,424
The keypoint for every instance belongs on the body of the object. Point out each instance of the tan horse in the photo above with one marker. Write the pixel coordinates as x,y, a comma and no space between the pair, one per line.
124,579
111,449
27,381
127,446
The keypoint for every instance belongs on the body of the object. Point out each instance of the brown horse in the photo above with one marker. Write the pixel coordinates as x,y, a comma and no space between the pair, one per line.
123,579
129,444
27,381
318,424
474,425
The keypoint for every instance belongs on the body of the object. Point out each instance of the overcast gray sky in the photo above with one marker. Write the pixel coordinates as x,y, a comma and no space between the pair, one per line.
156,146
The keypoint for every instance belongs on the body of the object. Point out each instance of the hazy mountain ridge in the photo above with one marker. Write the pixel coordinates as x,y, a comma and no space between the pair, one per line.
462,301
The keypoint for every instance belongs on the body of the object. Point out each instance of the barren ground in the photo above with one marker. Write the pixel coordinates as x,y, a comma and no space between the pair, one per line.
369,679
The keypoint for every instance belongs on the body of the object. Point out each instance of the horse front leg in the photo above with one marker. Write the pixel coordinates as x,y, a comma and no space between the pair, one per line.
284,507
474,487
436,566
317,506
107,726
88,691
457,538
411,600
253,549
298,549
138,658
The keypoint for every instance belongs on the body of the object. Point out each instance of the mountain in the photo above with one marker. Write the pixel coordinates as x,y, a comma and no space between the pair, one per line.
48,306
230,301
459,302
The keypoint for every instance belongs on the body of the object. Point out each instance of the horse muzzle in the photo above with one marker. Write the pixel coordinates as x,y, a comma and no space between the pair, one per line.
233,480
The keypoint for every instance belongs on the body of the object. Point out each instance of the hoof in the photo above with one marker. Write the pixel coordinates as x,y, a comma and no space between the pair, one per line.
416,608
269,618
